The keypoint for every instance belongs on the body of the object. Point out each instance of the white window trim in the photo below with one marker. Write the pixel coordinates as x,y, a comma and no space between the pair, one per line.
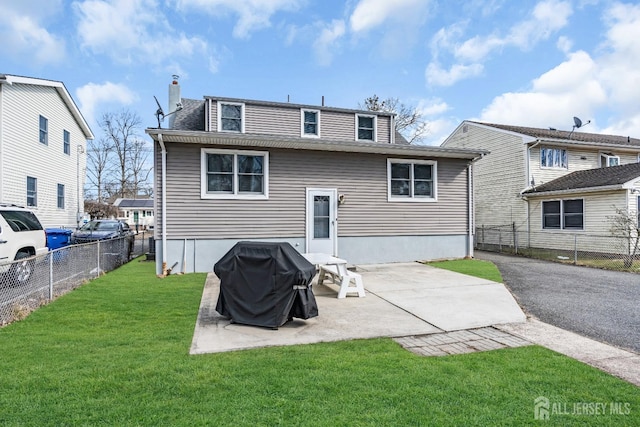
46,131
608,156
203,175
552,167
375,127
64,143
413,199
309,135
219,114
562,228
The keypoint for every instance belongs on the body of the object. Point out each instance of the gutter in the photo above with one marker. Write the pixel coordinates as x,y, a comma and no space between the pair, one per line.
163,204
526,196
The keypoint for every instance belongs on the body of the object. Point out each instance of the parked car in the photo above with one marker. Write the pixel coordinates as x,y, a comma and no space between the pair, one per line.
102,229
22,238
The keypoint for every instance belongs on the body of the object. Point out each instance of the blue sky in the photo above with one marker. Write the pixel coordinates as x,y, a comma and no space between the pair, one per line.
528,63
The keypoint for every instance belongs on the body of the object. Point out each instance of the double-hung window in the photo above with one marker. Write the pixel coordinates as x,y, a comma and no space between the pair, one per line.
608,159
555,158
32,191
60,196
412,180
563,214
66,142
365,127
230,117
310,123
44,130
234,174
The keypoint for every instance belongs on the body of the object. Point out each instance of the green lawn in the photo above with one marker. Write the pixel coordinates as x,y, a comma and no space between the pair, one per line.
473,267
115,352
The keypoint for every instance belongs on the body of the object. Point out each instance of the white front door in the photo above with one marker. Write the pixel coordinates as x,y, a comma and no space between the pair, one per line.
322,216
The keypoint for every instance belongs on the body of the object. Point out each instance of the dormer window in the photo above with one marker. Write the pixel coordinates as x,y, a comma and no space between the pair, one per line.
230,117
365,128
553,158
310,123
608,159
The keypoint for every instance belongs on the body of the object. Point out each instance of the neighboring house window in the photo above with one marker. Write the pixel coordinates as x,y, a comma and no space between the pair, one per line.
553,158
60,196
44,130
310,122
32,191
365,127
230,117
607,160
234,174
563,214
66,141
411,180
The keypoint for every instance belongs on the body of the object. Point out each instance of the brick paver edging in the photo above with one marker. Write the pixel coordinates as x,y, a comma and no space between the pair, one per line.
460,342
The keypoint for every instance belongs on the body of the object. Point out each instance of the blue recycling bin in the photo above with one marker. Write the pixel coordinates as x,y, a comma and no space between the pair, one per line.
57,238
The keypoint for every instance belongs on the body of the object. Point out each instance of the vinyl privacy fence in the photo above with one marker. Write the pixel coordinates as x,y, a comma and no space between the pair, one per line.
27,284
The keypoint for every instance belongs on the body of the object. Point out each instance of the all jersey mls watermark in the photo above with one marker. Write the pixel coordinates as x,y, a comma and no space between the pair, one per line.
543,408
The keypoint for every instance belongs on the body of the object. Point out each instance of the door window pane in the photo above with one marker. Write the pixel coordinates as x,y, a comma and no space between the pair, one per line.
321,217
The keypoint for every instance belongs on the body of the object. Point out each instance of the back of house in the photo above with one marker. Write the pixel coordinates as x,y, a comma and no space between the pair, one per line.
326,180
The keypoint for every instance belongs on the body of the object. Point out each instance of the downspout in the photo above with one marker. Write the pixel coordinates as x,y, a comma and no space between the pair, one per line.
163,205
527,186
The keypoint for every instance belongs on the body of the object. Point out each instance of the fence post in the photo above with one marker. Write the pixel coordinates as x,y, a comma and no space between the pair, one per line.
482,230
500,239
515,237
51,276
98,268
575,249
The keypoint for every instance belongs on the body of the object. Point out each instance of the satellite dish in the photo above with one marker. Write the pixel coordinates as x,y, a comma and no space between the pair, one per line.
578,122
159,112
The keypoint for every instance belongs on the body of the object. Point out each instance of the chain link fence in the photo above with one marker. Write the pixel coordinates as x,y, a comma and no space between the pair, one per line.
601,251
31,282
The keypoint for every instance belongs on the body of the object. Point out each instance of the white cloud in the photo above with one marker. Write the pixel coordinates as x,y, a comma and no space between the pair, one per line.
23,34
131,31
326,44
438,76
91,95
546,18
253,15
369,14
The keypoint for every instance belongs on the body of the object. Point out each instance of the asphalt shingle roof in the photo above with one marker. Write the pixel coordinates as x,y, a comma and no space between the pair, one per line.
590,178
594,138
135,203
191,117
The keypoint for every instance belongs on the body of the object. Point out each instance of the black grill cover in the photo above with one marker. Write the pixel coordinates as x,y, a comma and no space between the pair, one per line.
265,284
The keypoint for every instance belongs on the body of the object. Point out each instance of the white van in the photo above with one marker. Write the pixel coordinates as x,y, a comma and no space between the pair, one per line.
21,239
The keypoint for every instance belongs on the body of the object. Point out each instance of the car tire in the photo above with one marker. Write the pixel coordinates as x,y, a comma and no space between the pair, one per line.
22,269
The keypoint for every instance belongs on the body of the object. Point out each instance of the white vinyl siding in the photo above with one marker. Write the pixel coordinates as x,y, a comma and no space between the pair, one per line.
235,174
23,155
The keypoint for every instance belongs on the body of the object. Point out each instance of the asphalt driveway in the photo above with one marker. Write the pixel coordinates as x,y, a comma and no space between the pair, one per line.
599,304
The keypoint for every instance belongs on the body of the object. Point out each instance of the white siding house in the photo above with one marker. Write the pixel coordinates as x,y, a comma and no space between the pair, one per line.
42,149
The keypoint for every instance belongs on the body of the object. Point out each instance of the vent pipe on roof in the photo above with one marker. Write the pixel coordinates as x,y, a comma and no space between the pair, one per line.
175,101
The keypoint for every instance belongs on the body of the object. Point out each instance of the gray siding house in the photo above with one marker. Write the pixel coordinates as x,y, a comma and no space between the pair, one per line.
330,180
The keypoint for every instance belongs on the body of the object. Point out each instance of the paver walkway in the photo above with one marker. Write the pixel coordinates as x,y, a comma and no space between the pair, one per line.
460,342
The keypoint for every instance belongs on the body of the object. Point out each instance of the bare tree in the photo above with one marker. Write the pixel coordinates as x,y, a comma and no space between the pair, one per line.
627,226
99,165
131,173
409,121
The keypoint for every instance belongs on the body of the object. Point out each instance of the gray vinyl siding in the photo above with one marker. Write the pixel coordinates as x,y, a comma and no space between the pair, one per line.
499,177
286,121
362,178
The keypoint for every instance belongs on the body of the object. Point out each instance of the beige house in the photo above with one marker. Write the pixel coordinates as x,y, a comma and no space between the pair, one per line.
551,184
324,179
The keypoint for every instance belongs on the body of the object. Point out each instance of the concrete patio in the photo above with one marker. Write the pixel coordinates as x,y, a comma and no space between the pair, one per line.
402,299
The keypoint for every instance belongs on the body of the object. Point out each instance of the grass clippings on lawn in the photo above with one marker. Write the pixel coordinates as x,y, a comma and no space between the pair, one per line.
115,352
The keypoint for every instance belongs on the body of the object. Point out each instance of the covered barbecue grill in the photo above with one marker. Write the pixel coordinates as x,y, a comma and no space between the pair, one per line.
265,284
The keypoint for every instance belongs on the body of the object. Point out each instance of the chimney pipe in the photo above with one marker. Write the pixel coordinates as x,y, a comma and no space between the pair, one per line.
174,100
